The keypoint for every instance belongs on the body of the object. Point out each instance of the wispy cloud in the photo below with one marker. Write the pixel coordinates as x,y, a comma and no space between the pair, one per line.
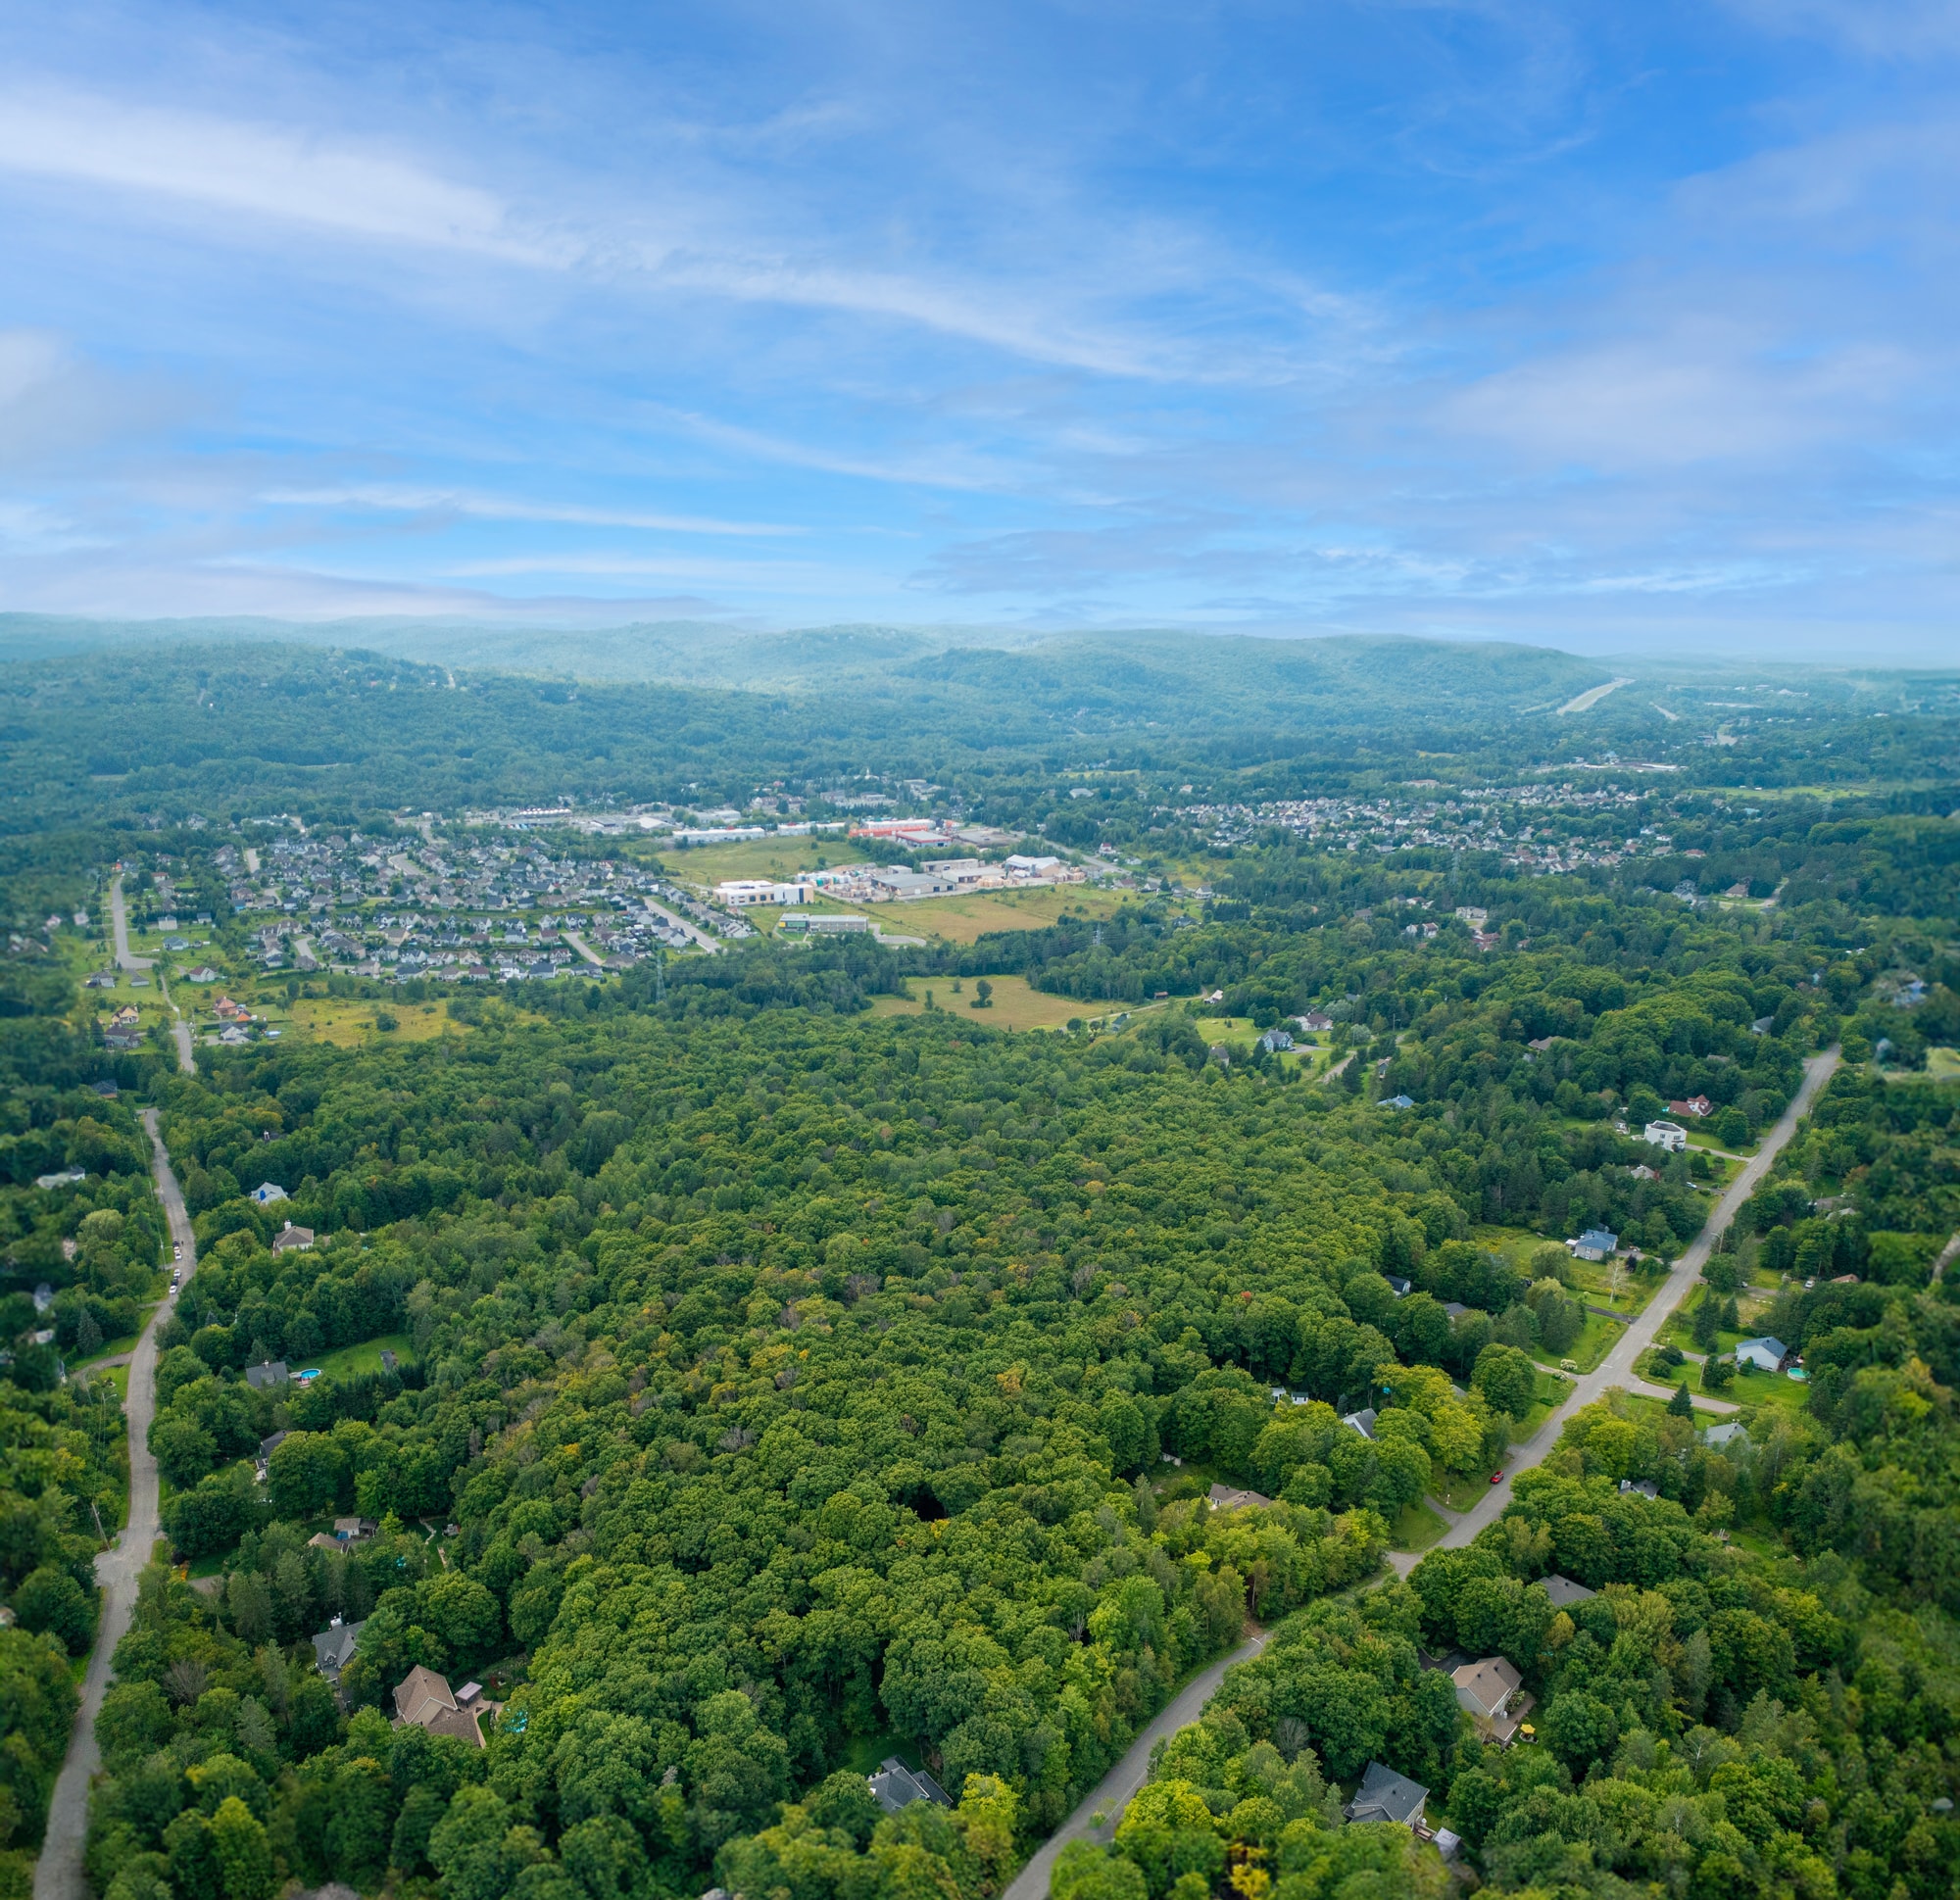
358,190
503,507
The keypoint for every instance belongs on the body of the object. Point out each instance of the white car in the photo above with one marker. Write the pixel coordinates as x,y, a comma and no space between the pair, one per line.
177,1250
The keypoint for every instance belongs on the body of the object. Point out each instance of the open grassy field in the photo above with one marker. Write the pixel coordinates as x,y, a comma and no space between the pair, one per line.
966,919
364,1355
1772,1391
771,857
348,1023
1014,1005
1239,1033
1459,1491
1416,1529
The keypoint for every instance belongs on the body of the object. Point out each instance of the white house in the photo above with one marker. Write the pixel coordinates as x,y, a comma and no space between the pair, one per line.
268,1191
1766,1354
1595,1244
1670,1136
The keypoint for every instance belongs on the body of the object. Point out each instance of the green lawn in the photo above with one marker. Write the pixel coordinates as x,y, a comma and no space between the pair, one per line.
1595,1340
363,1357
118,1376
1771,1391
862,1753
1460,1492
1416,1529
109,1350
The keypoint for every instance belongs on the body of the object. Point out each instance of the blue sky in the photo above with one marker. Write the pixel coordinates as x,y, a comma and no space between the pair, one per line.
1616,327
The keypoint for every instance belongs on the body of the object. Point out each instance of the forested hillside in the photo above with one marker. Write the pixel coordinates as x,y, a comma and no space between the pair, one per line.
741,1375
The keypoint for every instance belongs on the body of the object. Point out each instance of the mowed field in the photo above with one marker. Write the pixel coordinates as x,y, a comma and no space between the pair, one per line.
770,858
1013,1005
966,919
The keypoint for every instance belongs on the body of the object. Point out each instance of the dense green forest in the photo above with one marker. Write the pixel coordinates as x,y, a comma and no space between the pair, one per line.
167,731
744,1384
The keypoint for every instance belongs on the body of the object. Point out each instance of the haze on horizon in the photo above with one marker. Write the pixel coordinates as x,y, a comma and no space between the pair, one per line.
1598,328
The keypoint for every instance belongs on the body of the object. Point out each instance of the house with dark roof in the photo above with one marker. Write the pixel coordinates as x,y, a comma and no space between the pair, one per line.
1765,1354
895,1787
333,1648
269,1375
1565,1592
1362,1420
1384,1795
1224,1499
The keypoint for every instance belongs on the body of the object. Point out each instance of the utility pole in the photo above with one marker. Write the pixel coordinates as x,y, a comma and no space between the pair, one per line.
660,976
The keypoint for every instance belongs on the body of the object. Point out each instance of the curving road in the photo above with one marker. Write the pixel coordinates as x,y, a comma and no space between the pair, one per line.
1617,1368
1096,1818
58,1873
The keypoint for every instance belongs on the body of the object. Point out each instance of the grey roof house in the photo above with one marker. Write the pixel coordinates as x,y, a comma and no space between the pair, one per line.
334,1647
896,1787
1565,1592
1765,1354
272,1371
1384,1795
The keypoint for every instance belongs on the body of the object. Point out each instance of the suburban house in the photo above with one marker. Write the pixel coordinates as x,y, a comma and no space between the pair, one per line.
1695,1105
1224,1499
333,1648
424,1700
269,1375
1493,1694
1638,1487
1362,1420
267,1447
1400,1287
1275,1039
1315,1022
291,1238
1595,1244
1565,1592
1729,1431
1399,1101
1766,1354
895,1787
1384,1795
1670,1136
267,1192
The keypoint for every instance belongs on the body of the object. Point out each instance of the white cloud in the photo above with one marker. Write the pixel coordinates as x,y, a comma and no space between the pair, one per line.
498,508
1702,392
260,171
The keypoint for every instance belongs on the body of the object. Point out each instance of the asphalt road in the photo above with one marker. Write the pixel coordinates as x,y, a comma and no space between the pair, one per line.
1617,1368
118,916
58,1873
1111,1795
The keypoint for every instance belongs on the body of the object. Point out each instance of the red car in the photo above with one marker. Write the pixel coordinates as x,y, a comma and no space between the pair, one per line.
1496,1477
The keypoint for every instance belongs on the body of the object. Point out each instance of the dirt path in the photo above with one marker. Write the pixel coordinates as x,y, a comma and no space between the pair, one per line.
58,1873
1617,1368
1111,1795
